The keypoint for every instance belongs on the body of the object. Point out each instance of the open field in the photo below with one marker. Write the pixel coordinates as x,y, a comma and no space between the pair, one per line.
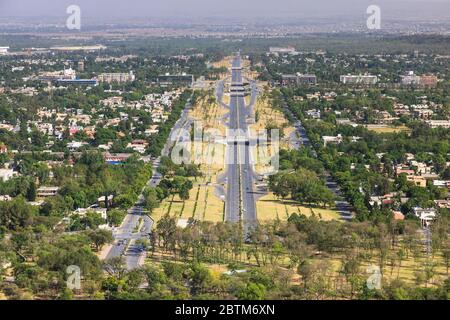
267,116
224,63
270,208
407,269
387,129
209,112
201,205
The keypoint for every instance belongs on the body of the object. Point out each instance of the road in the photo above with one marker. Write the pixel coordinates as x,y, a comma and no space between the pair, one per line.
344,208
126,235
136,225
240,198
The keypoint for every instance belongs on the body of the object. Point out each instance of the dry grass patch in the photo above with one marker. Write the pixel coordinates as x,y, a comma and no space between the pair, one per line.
271,208
387,129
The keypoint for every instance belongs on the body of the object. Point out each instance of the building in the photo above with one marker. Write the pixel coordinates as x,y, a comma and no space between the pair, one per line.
313,113
289,80
117,77
80,82
282,50
4,50
410,79
359,79
75,145
330,139
3,148
384,117
81,66
117,158
83,211
438,123
346,121
138,145
428,81
442,204
88,48
297,79
176,79
398,215
44,192
152,130
7,174
5,198
66,74
418,181
307,79
426,216
441,183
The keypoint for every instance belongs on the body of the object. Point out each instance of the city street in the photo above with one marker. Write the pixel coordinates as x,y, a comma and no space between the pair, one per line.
125,236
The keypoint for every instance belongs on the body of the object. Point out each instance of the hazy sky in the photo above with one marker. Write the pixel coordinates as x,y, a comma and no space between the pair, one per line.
232,8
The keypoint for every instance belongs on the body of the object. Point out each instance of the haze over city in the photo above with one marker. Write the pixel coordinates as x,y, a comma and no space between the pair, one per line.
288,9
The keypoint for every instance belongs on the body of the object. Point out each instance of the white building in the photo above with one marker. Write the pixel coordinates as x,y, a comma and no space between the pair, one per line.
282,50
438,123
117,77
359,79
75,145
7,174
83,211
426,216
410,79
4,50
330,139
44,192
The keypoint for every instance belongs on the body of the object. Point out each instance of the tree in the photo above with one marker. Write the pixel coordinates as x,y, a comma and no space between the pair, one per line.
100,237
151,200
184,192
200,277
253,291
115,217
31,192
116,267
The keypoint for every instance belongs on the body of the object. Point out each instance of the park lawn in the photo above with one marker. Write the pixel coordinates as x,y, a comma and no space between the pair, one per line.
267,114
271,208
214,207
406,273
209,113
211,157
224,63
202,205
388,129
226,99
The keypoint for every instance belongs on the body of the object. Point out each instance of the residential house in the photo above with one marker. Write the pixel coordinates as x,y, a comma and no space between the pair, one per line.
44,192
7,174
426,216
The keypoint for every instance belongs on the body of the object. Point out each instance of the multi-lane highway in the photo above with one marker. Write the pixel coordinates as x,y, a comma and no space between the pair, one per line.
240,199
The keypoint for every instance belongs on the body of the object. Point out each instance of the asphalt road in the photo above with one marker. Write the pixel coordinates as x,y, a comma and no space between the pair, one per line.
240,198
126,235
344,208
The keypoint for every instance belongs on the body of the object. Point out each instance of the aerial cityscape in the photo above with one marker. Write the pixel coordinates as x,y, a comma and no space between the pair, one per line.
202,150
